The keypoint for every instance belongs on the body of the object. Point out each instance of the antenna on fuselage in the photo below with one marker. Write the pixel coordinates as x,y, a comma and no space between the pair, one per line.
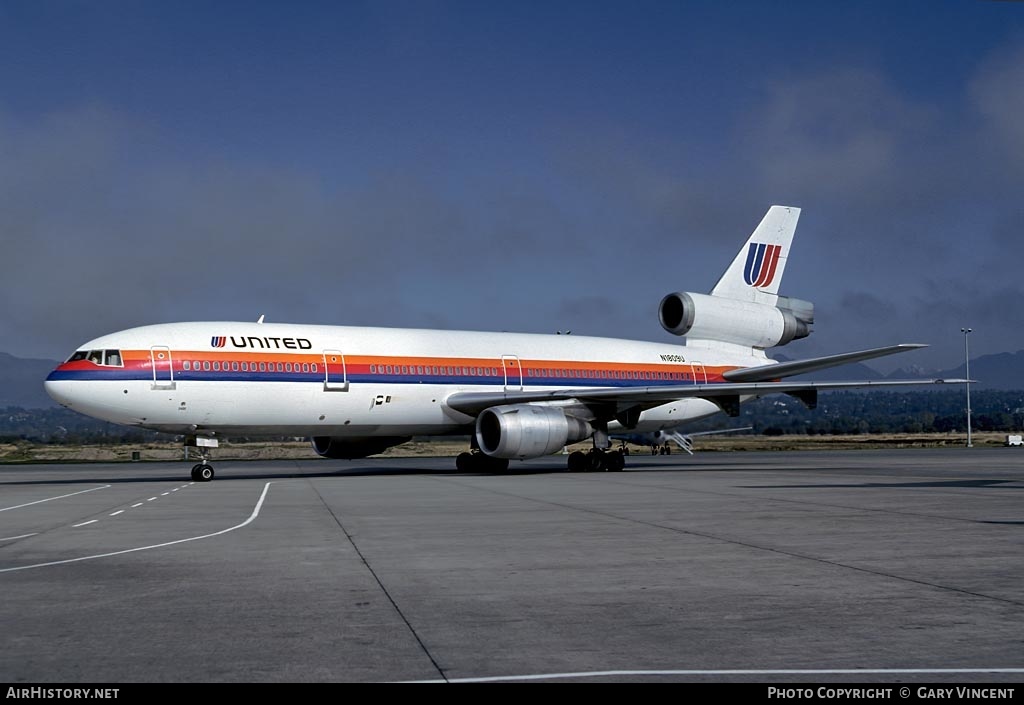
262,316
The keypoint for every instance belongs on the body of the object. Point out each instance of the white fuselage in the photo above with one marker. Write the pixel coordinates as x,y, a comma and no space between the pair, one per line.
306,380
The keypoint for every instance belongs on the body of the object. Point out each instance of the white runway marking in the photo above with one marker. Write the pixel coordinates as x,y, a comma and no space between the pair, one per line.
136,505
23,536
85,523
753,672
119,511
164,494
151,499
50,499
252,517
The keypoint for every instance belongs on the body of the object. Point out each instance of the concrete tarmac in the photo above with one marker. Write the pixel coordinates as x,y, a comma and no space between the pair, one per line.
876,566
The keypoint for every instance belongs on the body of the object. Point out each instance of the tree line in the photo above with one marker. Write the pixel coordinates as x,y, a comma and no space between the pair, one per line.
838,413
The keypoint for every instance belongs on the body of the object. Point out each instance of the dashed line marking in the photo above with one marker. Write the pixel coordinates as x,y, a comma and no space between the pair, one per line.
175,489
119,511
50,499
252,517
86,523
151,499
23,536
164,494
137,505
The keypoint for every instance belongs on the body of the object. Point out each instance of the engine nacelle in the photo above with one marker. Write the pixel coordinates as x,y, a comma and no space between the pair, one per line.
348,448
731,321
527,431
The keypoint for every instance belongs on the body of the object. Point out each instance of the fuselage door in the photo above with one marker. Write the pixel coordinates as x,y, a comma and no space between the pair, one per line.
700,375
163,368
513,373
335,374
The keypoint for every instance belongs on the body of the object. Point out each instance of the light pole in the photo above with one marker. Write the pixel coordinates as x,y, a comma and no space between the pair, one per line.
967,357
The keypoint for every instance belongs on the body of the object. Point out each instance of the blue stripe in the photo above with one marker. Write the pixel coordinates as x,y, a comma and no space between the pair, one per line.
755,258
193,376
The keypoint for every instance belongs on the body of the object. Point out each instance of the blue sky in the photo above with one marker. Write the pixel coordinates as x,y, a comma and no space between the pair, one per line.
509,166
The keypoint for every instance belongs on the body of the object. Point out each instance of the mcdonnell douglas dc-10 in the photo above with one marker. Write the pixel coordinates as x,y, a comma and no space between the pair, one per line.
357,391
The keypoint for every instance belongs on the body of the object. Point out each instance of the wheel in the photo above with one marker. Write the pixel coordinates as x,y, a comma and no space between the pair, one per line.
205,473
464,463
195,472
616,462
668,449
577,461
596,461
654,450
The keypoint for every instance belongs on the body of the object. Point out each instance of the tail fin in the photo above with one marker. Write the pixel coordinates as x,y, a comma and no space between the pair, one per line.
757,271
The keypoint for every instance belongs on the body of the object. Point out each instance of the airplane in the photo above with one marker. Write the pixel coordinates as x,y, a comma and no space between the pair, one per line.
356,391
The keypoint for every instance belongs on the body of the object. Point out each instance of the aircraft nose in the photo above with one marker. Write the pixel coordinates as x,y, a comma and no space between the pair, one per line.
59,390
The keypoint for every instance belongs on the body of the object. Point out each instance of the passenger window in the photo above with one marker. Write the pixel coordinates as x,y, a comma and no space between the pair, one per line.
186,365
216,366
234,367
305,367
206,365
263,367
405,369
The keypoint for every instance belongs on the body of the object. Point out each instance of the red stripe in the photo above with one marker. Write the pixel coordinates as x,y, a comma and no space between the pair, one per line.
768,267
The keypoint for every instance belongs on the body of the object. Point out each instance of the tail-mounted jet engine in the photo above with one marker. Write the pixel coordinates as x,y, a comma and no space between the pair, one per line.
758,325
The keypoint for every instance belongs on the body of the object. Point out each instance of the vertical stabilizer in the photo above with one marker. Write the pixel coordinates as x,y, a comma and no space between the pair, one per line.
757,271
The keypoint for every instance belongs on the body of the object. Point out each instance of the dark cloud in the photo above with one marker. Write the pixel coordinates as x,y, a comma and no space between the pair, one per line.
910,229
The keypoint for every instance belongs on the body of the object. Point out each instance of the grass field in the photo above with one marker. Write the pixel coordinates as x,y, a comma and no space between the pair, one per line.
25,452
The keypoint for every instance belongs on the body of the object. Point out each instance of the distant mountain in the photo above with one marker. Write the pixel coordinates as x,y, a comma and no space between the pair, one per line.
1003,371
844,373
21,382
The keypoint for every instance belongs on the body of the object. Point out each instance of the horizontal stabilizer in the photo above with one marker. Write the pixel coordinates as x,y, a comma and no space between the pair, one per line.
765,373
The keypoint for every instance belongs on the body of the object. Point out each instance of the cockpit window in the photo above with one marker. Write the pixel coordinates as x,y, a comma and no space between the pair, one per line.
106,358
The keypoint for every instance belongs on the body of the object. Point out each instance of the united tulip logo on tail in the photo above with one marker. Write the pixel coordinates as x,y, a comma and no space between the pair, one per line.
762,260
219,341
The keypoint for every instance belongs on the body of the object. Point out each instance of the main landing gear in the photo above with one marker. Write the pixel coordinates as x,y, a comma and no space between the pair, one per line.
477,461
600,458
596,460
202,471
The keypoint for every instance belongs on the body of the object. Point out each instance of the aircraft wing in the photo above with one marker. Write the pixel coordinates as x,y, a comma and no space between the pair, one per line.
613,401
779,370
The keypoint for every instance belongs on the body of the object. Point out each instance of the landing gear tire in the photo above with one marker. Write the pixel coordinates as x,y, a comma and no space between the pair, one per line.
597,461
616,461
202,472
577,461
465,462
480,462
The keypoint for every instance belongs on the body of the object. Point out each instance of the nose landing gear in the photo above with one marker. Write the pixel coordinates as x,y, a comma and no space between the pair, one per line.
202,471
